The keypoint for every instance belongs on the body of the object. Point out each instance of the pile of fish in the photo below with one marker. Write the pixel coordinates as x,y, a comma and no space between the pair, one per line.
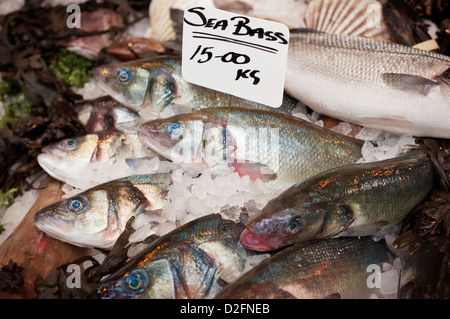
277,206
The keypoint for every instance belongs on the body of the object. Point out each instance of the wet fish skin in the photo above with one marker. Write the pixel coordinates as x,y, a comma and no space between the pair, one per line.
72,157
157,83
280,149
192,261
329,268
353,200
371,83
97,216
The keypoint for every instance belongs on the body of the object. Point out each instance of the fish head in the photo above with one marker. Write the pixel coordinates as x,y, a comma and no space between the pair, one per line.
69,157
133,284
83,220
141,83
291,219
181,138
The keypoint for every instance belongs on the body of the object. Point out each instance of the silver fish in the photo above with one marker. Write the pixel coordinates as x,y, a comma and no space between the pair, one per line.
279,149
157,83
194,261
70,158
371,83
331,268
352,200
97,216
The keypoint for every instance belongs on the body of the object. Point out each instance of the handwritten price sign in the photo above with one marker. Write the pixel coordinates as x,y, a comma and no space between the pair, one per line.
235,54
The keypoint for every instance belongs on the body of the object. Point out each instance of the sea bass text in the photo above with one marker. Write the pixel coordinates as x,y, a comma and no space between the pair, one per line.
241,26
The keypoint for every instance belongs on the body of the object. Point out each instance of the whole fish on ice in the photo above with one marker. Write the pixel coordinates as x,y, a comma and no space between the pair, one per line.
372,83
97,216
331,268
277,148
193,261
352,200
72,158
157,83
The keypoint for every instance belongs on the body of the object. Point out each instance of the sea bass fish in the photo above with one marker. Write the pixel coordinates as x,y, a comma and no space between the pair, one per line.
97,216
157,83
330,268
193,261
371,83
70,158
103,114
352,200
277,148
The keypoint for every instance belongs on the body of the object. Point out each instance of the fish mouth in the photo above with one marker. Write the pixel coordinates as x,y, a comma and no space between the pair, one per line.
65,231
155,140
251,242
53,226
50,163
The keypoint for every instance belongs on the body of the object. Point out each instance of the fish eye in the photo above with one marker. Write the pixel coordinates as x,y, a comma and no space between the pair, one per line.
136,282
124,75
174,130
295,225
70,144
76,204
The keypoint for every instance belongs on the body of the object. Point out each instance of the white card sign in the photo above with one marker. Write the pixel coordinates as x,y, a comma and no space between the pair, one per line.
235,54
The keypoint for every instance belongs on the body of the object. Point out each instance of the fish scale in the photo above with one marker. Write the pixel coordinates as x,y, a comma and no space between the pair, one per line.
332,268
372,83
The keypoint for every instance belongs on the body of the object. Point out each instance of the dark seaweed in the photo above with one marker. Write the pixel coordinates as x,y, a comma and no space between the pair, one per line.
430,221
30,40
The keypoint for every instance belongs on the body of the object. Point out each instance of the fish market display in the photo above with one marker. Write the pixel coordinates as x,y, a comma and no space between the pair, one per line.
376,84
156,83
104,114
194,261
72,158
97,216
158,188
279,149
352,200
332,268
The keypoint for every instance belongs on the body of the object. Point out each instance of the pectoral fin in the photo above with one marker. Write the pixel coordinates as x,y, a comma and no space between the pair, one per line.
254,171
409,82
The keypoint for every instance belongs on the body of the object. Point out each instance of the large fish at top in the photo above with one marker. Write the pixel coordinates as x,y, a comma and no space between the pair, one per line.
352,200
277,148
157,82
381,85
